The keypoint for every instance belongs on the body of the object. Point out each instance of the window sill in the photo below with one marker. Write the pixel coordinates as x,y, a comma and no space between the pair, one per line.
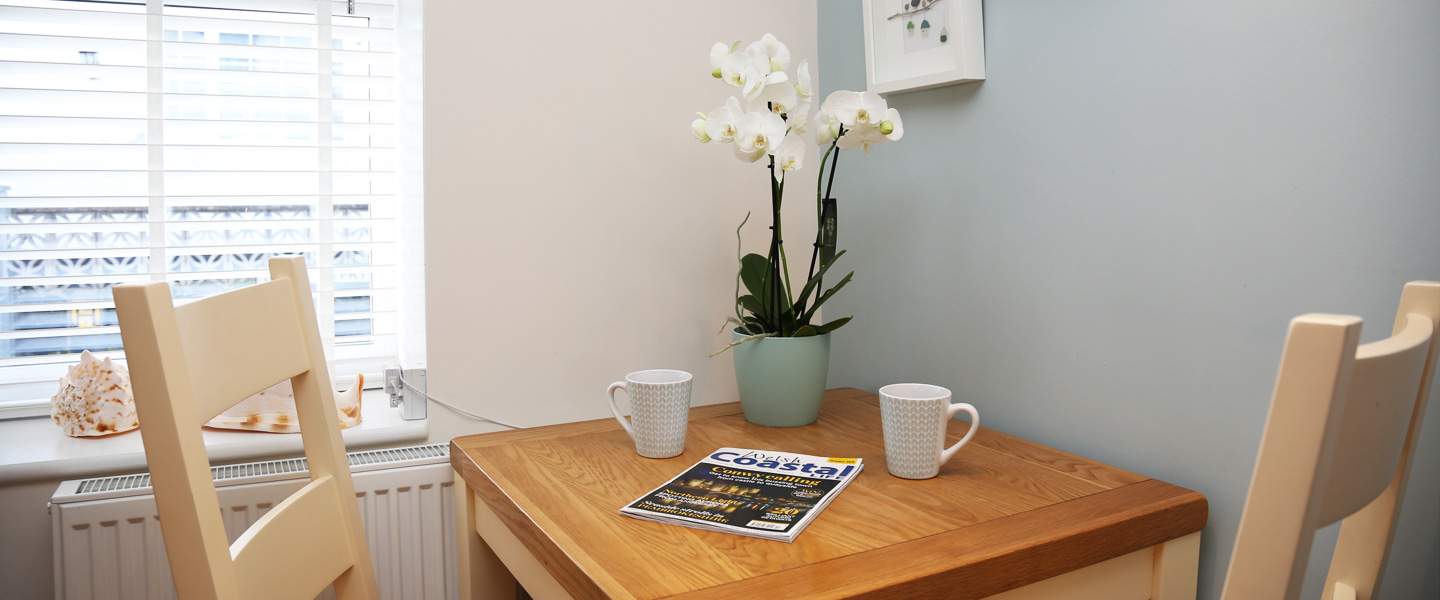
34,449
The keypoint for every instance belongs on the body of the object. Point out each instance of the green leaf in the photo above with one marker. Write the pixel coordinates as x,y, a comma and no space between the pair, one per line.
826,296
754,325
815,281
805,331
753,269
787,317
832,326
753,304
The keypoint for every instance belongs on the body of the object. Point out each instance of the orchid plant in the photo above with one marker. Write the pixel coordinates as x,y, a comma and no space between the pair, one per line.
770,119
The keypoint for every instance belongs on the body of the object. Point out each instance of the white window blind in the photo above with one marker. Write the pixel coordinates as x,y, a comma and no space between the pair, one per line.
189,141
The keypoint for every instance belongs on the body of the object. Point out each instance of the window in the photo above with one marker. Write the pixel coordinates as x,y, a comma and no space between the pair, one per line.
189,142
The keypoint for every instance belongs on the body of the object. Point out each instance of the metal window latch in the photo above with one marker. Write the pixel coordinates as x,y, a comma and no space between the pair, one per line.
350,7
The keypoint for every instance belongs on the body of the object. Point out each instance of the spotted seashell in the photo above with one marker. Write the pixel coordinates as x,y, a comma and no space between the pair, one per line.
94,399
273,410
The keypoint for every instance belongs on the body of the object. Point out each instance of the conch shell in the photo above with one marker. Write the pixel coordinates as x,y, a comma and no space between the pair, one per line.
273,410
94,399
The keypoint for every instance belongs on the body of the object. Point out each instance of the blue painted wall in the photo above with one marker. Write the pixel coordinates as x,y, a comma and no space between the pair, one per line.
1102,244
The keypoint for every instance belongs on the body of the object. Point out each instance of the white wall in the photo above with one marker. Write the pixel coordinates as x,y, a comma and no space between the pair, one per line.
26,560
575,231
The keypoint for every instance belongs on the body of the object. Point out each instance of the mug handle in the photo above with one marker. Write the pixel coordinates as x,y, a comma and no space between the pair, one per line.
620,385
949,453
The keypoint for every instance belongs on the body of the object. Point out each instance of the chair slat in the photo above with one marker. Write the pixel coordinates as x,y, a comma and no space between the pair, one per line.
1378,409
229,357
290,553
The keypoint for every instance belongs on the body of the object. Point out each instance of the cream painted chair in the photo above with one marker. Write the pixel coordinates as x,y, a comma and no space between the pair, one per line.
191,362
1338,444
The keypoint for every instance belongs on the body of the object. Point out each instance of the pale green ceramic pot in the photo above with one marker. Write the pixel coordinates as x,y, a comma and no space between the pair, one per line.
782,380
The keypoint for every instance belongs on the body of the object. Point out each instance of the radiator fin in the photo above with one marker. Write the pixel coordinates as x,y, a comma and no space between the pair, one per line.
115,484
274,470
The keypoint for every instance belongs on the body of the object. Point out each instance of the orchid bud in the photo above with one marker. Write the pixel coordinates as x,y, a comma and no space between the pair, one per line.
715,73
697,127
887,127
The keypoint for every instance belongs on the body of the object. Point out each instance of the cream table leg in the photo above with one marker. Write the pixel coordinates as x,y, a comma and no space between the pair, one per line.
482,575
1177,569
536,579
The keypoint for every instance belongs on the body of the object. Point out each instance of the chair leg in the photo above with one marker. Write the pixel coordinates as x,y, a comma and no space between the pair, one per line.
482,575
1177,566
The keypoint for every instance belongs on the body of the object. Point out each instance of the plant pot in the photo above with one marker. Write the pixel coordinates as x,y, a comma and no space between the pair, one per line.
782,380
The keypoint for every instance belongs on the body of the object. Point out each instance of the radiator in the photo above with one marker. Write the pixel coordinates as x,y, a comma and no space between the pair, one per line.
108,542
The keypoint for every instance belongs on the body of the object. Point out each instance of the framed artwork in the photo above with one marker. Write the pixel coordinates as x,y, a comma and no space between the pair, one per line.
921,44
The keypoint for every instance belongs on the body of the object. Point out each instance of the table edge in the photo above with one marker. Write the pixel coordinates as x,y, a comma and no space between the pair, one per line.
1174,512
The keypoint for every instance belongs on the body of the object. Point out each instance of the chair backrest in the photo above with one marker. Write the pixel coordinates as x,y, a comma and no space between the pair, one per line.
190,363
1338,445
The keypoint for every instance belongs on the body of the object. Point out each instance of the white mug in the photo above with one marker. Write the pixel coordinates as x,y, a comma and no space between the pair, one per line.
914,417
659,408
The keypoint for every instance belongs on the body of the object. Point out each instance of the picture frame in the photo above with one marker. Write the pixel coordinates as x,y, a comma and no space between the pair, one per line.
913,45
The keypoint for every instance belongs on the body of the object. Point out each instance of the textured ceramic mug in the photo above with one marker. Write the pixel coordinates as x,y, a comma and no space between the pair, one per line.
659,410
914,417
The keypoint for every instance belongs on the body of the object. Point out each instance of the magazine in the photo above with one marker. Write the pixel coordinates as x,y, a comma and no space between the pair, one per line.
759,493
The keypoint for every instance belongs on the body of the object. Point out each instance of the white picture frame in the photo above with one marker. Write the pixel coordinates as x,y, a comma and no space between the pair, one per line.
913,45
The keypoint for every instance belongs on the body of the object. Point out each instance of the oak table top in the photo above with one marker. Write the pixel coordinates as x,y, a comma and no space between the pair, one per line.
1004,513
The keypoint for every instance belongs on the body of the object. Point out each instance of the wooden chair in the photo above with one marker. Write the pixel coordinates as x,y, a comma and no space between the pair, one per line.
1338,444
189,363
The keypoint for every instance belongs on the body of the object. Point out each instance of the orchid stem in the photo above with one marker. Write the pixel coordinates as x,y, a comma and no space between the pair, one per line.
829,187
834,165
819,211
780,190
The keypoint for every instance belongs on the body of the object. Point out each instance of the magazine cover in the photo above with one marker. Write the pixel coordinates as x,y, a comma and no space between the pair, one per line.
759,493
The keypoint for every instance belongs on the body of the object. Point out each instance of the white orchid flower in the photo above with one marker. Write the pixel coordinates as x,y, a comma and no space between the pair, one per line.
760,134
718,52
734,66
799,118
828,108
757,78
779,99
828,125
872,109
854,108
802,80
724,122
863,135
789,155
891,127
825,133
777,54
749,71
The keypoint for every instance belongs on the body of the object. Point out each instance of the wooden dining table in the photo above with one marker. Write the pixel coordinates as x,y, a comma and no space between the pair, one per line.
1006,518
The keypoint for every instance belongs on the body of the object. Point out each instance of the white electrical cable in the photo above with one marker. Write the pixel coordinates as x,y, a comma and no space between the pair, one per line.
455,408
